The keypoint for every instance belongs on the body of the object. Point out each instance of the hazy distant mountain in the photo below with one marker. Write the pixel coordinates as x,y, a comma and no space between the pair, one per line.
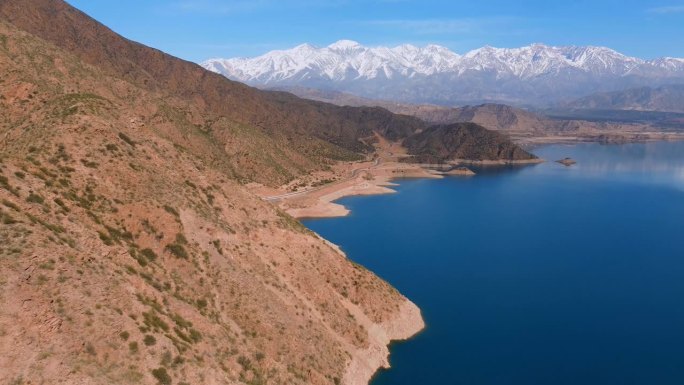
497,117
536,74
668,98
520,124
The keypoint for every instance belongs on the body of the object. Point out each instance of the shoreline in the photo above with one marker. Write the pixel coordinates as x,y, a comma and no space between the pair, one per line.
407,323
376,178
321,202
365,364
623,137
412,374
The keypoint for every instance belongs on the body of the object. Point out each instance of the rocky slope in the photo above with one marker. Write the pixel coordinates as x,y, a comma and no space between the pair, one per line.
302,136
131,251
269,137
536,74
667,98
130,254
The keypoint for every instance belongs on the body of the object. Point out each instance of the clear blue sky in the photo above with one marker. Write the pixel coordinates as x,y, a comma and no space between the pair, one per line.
200,29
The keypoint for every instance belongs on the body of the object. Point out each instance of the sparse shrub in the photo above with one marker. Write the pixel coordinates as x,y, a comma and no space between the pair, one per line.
166,358
210,198
126,139
20,175
133,347
149,340
89,163
124,335
177,250
195,335
149,254
180,321
47,265
105,238
35,198
162,376
182,335
41,280
141,260
202,303
116,235
171,210
7,219
180,239
245,362
4,183
61,204
217,246
152,320
10,205
90,349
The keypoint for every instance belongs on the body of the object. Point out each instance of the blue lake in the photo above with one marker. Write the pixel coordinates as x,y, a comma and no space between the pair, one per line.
537,275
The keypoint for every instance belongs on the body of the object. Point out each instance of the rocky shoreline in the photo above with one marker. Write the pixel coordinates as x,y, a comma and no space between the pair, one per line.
365,363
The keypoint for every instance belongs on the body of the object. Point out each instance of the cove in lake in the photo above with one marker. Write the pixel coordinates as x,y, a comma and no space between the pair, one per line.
536,275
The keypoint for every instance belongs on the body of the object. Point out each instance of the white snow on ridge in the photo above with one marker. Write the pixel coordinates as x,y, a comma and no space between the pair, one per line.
348,60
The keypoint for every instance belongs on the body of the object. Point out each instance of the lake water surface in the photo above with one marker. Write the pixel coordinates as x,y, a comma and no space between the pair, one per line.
539,275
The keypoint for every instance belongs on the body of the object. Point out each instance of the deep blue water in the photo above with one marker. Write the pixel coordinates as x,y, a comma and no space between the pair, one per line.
539,275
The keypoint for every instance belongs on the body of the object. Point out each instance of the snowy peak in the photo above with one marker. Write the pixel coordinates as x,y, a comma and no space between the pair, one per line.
438,72
342,60
345,45
348,59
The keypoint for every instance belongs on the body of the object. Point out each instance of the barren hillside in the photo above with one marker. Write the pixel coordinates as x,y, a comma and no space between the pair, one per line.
131,255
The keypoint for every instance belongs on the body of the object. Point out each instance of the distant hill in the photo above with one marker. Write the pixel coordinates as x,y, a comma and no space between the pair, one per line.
520,124
441,143
493,116
667,98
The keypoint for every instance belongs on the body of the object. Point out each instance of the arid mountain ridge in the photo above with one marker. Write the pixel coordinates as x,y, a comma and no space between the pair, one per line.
132,253
306,134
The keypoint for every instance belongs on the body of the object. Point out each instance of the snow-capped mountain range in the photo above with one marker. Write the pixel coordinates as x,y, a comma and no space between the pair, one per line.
534,74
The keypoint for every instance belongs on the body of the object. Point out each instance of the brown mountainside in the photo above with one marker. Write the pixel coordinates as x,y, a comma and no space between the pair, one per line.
465,141
129,254
305,133
130,251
